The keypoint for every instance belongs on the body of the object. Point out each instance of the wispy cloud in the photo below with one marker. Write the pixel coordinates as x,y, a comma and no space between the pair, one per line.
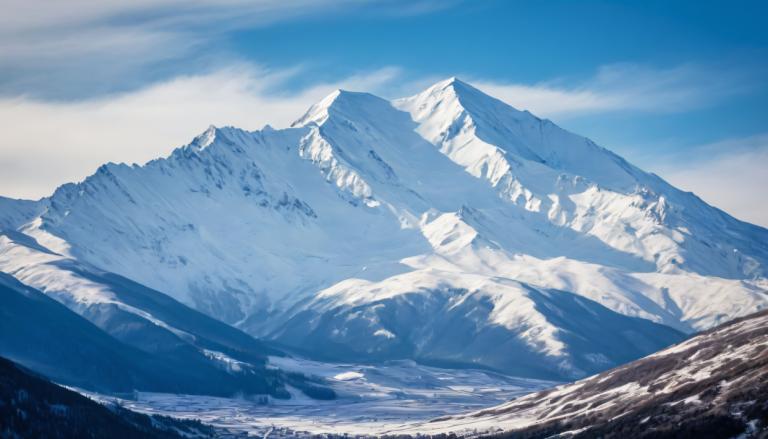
48,143
730,174
627,87
70,49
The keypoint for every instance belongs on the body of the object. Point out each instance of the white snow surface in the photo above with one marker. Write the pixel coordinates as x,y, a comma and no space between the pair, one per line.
371,399
40,268
364,202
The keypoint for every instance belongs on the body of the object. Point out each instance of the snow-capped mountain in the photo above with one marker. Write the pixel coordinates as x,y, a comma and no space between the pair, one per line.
447,227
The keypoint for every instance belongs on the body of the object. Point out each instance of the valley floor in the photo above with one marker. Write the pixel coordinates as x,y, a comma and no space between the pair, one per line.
372,399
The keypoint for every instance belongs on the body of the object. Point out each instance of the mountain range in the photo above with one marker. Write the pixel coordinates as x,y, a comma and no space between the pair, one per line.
447,227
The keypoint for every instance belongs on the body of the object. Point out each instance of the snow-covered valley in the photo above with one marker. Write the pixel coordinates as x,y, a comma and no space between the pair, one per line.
371,399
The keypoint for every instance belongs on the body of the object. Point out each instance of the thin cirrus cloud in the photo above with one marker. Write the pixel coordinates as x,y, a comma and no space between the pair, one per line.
66,50
625,87
729,174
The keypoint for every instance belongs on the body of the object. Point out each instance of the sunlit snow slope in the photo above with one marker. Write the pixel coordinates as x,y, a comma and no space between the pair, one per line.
447,227
107,333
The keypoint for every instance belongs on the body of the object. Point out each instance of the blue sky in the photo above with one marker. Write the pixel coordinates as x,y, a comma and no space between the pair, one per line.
677,87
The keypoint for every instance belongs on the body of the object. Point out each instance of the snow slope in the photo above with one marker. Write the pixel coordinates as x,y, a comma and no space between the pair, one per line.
576,184
118,335
465,320
448,209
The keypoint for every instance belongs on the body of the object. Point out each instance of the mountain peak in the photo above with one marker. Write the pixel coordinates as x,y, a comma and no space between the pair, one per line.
452,99
452,82
204,139
339,101
318,112
489,137
451,91
455,88
452,106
